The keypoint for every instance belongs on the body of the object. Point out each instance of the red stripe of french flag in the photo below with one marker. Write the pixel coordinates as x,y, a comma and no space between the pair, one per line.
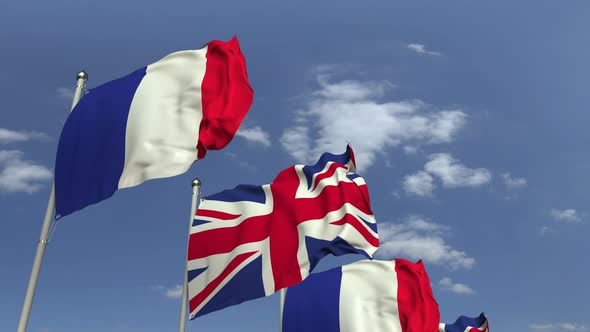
417,308
226,95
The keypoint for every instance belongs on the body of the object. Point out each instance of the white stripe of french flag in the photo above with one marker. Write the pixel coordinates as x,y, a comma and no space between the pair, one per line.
368,295
152,123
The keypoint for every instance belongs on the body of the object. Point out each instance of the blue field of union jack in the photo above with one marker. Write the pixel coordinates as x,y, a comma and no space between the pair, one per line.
251,241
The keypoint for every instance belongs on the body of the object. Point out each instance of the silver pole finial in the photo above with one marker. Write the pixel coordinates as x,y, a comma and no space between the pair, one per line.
196,182
82,75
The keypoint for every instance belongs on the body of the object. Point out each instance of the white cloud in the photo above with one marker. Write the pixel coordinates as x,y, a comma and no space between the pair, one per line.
351,111
450,171
65,93
573,327
350,90
420,184
541,327
242,163
255,134
11,136
408,149
554,327
544,230
172,293
296,142
417,238
448,285
513,183
453,174
420,48
20,175
565,215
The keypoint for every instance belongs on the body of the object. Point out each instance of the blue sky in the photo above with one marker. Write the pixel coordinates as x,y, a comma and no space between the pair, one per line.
469,121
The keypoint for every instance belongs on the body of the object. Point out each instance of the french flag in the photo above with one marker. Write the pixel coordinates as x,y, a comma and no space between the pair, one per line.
152,123
467,324
368,295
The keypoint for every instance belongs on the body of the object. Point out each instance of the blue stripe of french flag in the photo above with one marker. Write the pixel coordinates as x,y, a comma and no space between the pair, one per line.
152,123
368,295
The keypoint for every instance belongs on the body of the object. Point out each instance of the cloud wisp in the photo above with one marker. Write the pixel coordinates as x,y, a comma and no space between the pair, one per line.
566,215
255,135
421,184
513,182
12,136
65,93
421,48
447,284
453,174
20,175
171,293
554,327
449,171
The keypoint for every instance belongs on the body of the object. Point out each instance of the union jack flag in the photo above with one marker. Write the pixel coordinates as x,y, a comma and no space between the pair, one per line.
467,324
252,241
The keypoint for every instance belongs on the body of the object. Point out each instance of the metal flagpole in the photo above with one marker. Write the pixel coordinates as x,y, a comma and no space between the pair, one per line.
81,78
281,307
194,205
